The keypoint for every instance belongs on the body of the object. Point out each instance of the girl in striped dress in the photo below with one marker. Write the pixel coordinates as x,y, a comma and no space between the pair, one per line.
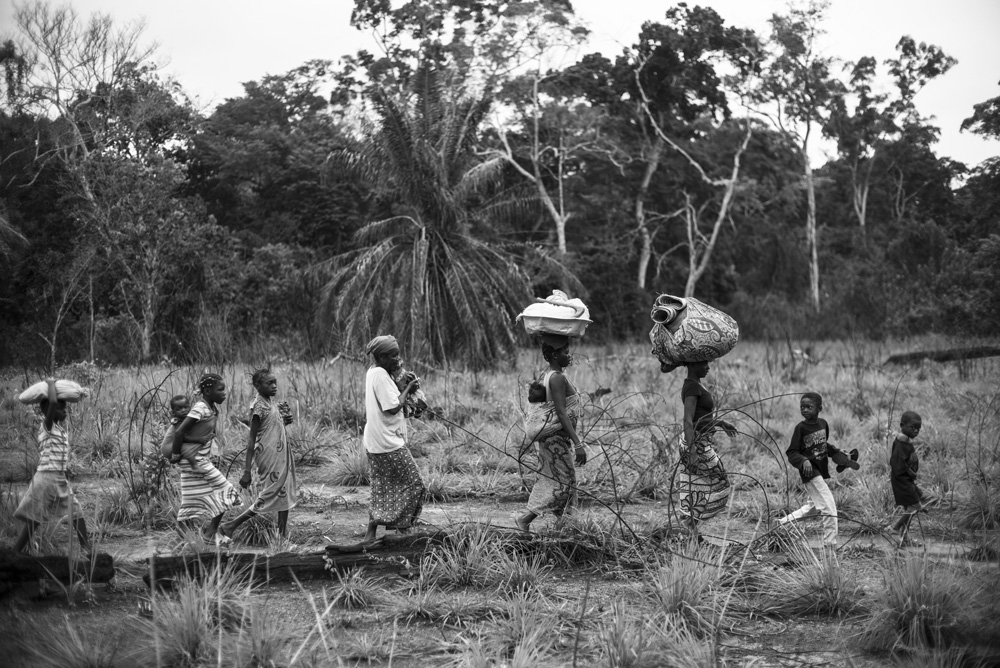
205,492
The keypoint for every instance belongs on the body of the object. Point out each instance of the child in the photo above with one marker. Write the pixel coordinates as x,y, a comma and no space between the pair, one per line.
179,407
49,494
268,443
416,401
903,466
205,492
536,392
808,452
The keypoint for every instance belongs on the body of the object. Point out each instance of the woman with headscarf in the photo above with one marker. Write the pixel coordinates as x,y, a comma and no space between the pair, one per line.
397,488
561,451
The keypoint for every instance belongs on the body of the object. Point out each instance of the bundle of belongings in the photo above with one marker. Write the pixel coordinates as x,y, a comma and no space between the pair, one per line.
66,390
416,401
686,330
554,321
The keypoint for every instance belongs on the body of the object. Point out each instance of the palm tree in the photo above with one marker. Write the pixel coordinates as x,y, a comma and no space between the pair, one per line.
420,273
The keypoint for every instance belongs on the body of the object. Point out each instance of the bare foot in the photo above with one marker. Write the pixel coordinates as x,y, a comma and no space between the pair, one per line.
521,524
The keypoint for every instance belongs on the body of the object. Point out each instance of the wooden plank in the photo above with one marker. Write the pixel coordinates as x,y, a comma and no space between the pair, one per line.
16,567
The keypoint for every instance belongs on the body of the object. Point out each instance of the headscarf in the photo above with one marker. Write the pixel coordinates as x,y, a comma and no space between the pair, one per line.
381,345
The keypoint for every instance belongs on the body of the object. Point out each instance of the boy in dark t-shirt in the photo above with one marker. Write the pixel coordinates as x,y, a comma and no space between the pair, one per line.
810,452
903,466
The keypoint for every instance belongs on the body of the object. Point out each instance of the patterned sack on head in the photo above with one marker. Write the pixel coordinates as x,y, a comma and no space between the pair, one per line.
66,390
686,330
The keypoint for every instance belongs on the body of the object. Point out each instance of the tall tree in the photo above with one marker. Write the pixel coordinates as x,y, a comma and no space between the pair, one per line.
798,87
877,119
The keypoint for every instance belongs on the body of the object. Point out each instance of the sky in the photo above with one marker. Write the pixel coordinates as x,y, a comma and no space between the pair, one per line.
212,46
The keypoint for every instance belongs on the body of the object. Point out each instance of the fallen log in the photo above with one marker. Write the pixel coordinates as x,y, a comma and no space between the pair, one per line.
388,554
17,567
950,355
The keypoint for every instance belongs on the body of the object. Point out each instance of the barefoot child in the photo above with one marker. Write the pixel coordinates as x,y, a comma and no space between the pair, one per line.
810,452
49,495
205,492
903,466
268,444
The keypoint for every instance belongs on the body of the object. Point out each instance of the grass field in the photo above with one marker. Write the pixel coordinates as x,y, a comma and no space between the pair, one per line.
632,591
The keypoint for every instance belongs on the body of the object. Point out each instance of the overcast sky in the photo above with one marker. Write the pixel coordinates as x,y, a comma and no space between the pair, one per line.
212,46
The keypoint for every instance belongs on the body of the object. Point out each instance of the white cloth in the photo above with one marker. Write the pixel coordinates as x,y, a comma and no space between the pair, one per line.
384,432
822,503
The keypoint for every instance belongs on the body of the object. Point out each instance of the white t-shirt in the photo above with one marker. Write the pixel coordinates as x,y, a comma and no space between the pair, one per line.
383,432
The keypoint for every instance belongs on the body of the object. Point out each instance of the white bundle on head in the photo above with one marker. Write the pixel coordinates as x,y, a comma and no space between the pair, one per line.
66,390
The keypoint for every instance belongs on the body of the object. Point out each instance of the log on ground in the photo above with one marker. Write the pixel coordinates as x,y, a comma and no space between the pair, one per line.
389,554
950,355
16,567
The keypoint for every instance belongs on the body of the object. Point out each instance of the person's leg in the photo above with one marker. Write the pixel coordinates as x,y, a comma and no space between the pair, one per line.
283,522
27,533
81,532
808,510
826,505
213,526
227,529
524,521
372,529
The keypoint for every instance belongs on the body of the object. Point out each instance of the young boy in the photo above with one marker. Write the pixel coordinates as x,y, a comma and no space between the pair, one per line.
49,494
903,466
810,452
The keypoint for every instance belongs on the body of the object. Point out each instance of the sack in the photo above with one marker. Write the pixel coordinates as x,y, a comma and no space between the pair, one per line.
66,390
556,314
686,330
540,421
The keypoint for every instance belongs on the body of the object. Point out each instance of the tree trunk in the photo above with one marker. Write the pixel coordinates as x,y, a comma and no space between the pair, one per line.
811,229
17,567
645,236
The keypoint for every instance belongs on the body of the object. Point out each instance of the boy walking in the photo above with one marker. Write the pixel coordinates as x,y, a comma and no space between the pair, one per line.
810,452
49,495
903,466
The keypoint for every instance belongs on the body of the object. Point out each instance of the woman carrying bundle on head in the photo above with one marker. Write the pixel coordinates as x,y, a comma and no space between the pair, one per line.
397,488
560,448
703,485
205,492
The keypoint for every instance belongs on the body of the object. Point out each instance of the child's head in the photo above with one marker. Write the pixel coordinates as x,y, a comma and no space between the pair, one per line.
536,392
910,423
59,414
179,406
264,381
810,406
212,388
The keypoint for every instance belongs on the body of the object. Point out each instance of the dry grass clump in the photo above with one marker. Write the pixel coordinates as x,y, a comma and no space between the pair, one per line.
64,646
685,587
350,466
982,509
628,640
814,584
916,608
355,590
187,624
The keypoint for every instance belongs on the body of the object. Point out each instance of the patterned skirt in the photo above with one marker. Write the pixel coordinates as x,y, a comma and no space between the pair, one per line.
704,489
205,492
554,490
397,489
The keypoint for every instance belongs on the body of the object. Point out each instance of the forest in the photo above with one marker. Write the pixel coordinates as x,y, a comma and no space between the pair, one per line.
433,188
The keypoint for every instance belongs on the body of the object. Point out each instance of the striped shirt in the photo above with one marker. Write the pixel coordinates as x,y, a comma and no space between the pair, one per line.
54,448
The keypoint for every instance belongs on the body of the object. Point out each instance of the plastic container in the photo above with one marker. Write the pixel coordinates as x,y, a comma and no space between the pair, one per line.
556,314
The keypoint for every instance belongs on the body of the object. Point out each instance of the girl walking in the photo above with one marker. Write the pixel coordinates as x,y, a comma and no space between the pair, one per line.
560,452
268,446
205,492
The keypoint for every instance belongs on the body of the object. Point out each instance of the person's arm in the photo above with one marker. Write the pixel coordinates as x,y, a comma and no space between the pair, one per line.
179,434
794,453
247,477
50,412
558,386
